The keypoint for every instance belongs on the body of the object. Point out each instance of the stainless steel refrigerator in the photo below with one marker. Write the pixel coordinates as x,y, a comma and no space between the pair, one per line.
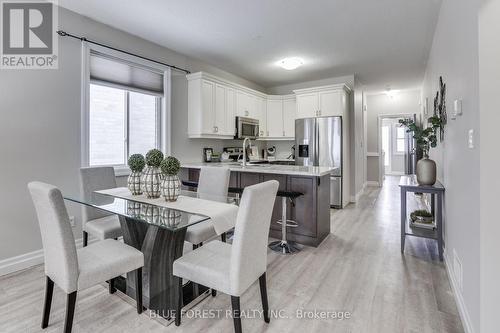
318,142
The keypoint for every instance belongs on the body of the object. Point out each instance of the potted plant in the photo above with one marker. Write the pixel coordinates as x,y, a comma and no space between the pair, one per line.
151,177
426,139
171,185
136,163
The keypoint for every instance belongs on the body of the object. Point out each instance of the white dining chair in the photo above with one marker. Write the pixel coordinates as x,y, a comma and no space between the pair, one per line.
71,269
232,269
98,223
213,183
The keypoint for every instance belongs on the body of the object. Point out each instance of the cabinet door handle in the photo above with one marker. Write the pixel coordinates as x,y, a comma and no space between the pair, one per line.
283,133
216,128
319,112
267,133
246,113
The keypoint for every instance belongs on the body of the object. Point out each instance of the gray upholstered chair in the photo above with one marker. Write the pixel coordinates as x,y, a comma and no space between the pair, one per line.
231,269
98,223
73,269
213,182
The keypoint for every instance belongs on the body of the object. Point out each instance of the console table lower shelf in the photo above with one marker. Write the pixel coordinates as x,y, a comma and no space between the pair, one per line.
409,184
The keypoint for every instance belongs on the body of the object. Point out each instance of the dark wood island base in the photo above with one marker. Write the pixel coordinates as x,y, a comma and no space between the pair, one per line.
311,210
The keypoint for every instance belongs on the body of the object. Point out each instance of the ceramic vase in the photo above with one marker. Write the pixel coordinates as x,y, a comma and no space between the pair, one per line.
134,182
426,171
170,187
151,182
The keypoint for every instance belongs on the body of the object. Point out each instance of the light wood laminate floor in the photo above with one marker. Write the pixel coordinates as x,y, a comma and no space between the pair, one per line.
358,268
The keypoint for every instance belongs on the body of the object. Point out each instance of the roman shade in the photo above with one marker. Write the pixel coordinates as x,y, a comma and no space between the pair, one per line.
109,70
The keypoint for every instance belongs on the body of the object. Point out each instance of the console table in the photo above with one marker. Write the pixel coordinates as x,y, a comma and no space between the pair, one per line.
409,184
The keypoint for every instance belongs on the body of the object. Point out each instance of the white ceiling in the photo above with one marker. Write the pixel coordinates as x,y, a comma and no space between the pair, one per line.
383,42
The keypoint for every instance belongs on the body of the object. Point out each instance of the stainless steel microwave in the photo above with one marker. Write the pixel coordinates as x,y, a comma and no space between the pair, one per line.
246,128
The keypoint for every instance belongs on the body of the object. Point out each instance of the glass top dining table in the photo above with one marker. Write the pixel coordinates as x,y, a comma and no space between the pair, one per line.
149,213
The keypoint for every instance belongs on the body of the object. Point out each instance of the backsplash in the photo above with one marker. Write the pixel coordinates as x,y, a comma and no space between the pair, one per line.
283,148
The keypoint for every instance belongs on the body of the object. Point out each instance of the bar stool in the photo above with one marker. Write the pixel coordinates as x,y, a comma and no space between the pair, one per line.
284,246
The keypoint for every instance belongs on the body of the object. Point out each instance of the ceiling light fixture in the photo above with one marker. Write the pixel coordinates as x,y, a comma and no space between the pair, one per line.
291,63
390,93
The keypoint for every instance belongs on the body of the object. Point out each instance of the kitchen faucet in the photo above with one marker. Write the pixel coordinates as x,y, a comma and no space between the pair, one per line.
245,150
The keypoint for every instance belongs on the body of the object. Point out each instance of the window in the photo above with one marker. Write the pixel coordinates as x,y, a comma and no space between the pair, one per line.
126,107
400,139
121,123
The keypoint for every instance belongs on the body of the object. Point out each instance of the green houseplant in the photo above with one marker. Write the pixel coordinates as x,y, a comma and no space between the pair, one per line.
426,139
171,185
136,163
151,177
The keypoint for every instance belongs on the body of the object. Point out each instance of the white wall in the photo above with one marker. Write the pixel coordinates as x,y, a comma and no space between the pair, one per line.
403,102
40,127
489,90
454,56
358,141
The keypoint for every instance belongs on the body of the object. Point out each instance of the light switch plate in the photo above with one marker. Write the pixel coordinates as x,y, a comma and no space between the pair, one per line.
471,138
457,108
72,221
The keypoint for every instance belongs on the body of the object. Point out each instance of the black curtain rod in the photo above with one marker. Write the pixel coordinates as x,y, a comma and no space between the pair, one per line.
84,39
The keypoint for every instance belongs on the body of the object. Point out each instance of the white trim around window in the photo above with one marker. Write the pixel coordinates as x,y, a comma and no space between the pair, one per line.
164,137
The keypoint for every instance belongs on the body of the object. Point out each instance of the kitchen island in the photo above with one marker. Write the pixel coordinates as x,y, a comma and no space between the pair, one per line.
311,210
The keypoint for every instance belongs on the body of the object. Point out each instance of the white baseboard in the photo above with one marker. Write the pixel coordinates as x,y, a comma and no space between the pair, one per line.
30,259
395,173
462,308
355,198
372,183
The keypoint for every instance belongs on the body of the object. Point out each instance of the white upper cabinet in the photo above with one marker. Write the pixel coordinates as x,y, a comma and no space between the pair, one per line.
332,103
220,109
281,117
214,103
245,104
274,118
260,114
230,111
307,105
208,116
322,101
289,110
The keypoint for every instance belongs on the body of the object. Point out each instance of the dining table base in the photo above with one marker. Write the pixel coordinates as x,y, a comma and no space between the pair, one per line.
161,247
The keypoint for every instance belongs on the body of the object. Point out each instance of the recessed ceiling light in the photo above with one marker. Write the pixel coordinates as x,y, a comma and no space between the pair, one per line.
291,63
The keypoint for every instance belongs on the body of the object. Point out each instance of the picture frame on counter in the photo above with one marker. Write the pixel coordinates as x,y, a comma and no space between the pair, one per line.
207,154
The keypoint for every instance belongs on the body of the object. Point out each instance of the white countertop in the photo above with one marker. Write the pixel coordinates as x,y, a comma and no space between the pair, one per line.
312,171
